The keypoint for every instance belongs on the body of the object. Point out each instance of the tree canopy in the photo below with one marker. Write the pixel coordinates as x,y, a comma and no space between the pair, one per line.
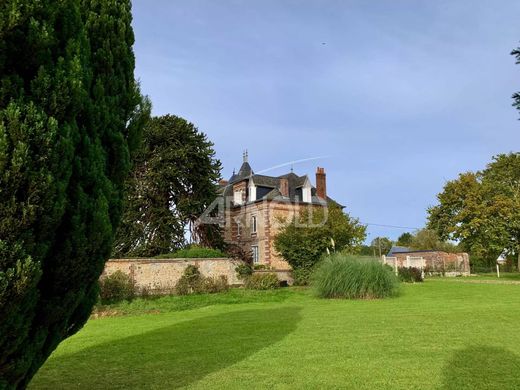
173,181
405,239
428,239
481,210
382,245
303,241
70,113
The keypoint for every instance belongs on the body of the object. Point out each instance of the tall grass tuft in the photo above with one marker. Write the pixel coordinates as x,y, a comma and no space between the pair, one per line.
343,276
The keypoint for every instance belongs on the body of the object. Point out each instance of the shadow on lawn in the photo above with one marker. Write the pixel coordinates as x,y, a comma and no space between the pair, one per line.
170,357
482,367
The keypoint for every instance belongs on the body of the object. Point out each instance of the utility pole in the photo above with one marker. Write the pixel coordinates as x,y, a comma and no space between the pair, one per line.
379,244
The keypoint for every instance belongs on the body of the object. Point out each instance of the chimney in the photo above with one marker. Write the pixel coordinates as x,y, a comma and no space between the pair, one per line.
223,182
284,187
321,183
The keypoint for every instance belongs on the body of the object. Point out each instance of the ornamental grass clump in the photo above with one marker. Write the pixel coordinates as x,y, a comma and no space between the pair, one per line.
350,277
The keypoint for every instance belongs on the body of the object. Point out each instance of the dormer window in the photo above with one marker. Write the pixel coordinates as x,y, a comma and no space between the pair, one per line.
252,191
306,192
238,197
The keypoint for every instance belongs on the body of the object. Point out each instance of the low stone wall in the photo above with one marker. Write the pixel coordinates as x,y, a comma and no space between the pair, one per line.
439,261
161,275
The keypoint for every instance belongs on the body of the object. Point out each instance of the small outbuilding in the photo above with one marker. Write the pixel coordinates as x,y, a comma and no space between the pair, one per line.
433,262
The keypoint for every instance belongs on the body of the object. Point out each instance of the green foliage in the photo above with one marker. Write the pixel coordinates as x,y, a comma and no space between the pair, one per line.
404,239
212,285
243,271
428,239
262,281
192,282
341,276
70,116
116,287
382,245
302,276
303,241
482,210
192,252
410,274
173,181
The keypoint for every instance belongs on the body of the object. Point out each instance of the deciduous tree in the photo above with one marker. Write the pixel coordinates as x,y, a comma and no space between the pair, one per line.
482,210
303,241
382,245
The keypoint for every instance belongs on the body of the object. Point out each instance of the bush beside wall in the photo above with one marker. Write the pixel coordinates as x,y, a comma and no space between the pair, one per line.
116,287
262,281
410,274
192,282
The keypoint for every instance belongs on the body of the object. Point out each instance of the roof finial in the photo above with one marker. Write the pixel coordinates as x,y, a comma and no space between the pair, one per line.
292,168
244,156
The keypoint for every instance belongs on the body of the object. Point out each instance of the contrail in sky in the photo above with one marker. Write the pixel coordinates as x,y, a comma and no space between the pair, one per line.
292,163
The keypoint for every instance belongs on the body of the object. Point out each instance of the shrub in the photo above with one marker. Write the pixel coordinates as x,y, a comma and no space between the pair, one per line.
116,287
410,274
239,252
192,282
211,285
262,281
192,252
342,276
243,271
302,276
189,282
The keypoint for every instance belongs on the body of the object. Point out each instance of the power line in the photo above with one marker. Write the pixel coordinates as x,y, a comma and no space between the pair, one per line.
390,226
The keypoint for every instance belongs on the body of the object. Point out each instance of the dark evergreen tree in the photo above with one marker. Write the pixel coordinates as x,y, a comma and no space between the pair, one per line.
69,109
174,180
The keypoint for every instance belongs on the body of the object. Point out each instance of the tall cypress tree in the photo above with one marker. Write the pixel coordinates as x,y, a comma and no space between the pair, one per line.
70,113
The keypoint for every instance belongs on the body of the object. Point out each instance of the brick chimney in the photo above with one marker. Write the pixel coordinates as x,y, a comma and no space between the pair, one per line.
284,187
321,183
223,182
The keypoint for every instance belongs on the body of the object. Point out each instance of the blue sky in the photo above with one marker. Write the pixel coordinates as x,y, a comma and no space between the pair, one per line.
399,95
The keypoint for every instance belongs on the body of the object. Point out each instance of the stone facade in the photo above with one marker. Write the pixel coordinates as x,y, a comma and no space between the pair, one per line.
256,206
270,216
161,275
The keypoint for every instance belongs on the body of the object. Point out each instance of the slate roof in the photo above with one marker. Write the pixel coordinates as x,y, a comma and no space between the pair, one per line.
295,182
397,249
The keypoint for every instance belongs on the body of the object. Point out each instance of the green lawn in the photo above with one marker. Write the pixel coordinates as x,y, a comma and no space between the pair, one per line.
503,276
435,335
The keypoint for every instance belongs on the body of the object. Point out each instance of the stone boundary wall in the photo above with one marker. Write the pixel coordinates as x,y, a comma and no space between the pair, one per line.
161,275
452,263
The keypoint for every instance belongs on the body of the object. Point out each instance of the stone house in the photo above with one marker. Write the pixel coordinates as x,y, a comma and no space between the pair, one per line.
256,206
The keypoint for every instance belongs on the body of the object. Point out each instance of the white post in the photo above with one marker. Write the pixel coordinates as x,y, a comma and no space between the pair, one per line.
498,271
395,266
408,261
384,259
